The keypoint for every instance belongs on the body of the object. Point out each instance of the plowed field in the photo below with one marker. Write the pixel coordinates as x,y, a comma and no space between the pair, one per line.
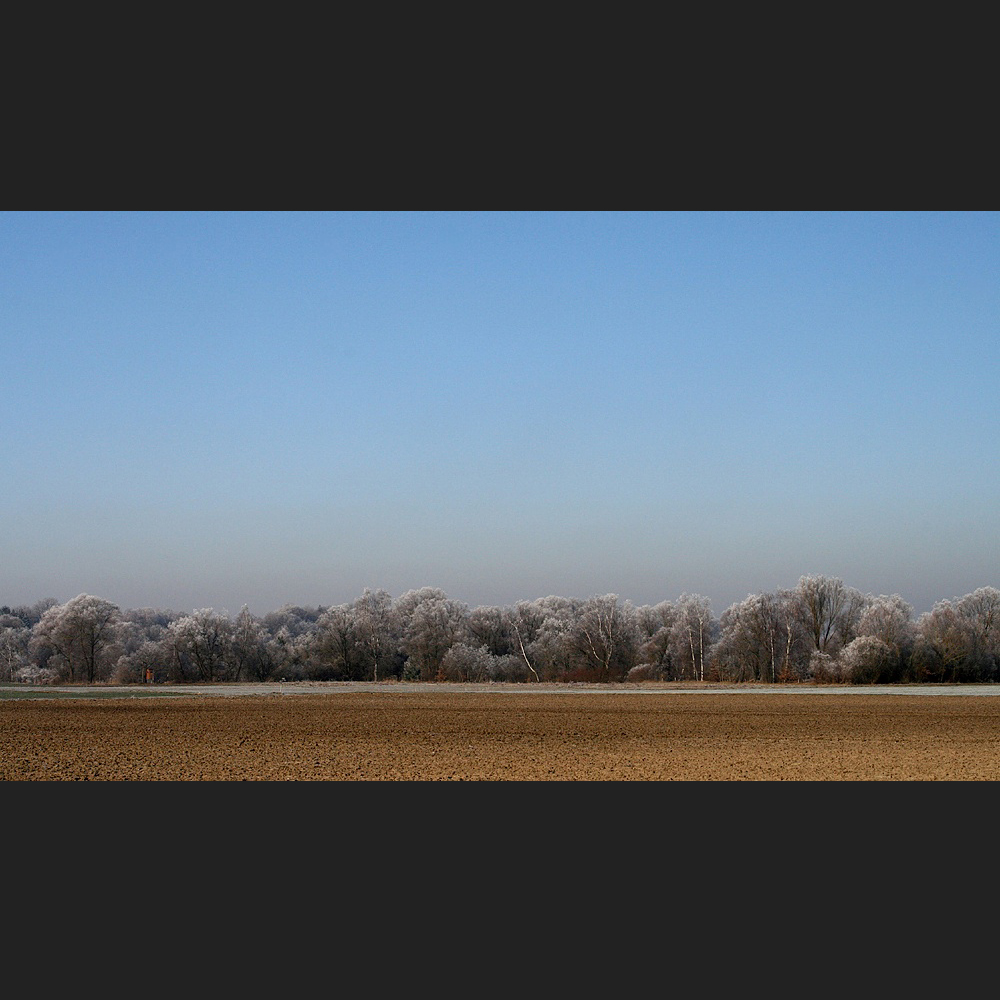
435,736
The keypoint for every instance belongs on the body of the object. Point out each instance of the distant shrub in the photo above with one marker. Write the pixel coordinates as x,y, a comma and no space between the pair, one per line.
583,675
642,672
869,660
826,669
511,669
465,663
131,667
30,674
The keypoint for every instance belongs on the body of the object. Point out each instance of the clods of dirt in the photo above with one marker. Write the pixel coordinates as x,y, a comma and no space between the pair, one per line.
435,736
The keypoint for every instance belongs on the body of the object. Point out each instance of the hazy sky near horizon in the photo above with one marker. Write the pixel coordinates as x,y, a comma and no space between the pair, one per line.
218,409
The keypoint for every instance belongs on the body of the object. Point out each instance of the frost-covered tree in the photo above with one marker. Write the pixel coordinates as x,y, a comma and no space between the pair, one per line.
603,638
294,618
31,614
289,630
476,664
941,645
77,634
432,623
888,618
377,631
14,640
545,626
332,647
830,611
693,633
960,640
761,639
149,655
868,659
249,654
506,632
466,663
200,643
524,621
826,669
981,609
286,654
655,623
142,644
489,626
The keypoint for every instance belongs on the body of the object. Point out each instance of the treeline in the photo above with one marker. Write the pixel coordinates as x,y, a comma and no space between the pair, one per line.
820,630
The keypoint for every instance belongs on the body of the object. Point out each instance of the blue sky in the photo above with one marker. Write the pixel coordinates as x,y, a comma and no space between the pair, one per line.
218,409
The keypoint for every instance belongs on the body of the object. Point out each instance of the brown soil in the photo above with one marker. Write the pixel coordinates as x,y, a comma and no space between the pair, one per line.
366,736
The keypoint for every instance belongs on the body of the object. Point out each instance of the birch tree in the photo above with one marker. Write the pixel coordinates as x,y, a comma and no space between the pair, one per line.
542,630
605,637
524,621
761,638
693,633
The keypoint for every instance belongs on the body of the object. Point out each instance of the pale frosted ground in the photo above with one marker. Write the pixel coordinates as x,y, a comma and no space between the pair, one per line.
229,690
